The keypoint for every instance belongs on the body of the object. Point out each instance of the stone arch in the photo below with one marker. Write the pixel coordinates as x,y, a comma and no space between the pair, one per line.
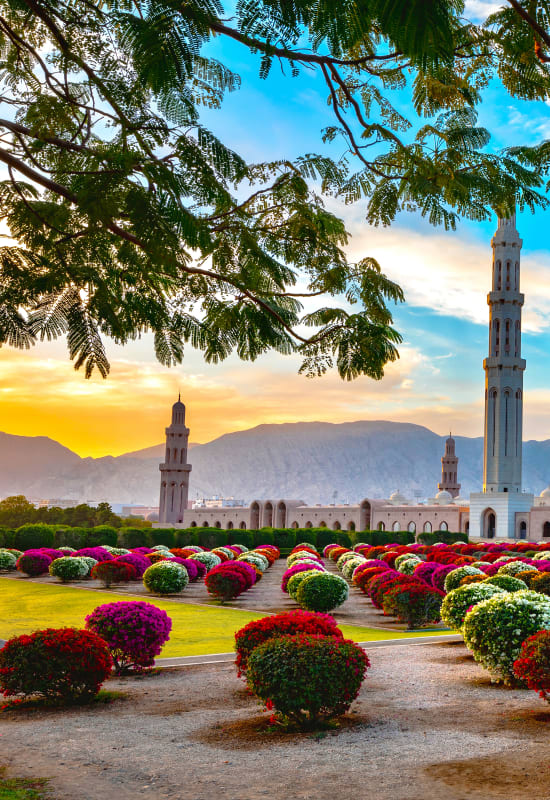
294,524
205,524
499,275
242,526
396,526
427,527
467,526
489,526
175,455
308,524
229,526
255,515
217,524
522,529
336,526
546,530
323,524
193,524
267,521
443,526
381,526
364,516
182,459
351,526
411,527
281,514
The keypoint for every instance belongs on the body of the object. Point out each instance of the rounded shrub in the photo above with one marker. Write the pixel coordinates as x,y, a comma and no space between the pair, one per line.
414,603
506,582
252,557
295,569
97,553
135,632
225,583
541,583
7,560
109,572
69,568
61,664
495,629
33,536
452,581
33,563
532,666
288,623
191,566
136,560
293,583
322,591
404,557
527,576
457,602
210,560
90,563
408,566
307,678
165,577
249,573
512,568
351,565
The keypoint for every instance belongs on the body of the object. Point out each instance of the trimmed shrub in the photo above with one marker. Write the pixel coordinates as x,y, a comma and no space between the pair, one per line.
527,577
109,572
457,603
468,579
210,560
296,568
512,568
137,561
225,583
307,678
291,622
34,536
408,566
7,560
533,664
191,566
495,629
415,603
322,591
506,582
33,564
165,578
247,571
135,632
441,536
540,582
165,536
97,553
293,583
212,537
133,537
452,581
256,559
102,534
69,568
242,537
60,664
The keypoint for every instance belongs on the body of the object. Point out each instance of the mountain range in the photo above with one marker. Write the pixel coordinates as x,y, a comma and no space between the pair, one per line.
317,462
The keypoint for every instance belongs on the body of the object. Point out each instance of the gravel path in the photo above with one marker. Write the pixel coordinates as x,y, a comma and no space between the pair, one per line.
428,725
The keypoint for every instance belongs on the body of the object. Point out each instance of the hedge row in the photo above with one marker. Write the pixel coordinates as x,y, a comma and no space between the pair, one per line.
32,536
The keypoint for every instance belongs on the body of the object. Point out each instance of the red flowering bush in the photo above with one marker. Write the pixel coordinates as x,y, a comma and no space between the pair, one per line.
362,576
336,552
182,552
109,572
225,583
415,603
33,563
439,575
135,632
260,630
307,678
61,664
533,664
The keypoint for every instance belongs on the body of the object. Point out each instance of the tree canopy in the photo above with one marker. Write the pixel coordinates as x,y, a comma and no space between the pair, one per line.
129,215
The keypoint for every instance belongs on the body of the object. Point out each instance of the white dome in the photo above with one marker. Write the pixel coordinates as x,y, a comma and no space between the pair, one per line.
545,492
397,499
443,497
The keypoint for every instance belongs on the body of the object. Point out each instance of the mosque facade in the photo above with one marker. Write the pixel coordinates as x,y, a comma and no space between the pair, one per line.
502,510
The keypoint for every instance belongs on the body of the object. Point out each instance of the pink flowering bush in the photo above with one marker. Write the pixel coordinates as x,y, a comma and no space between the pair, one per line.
137,561
98,553
296,568
33,563
135,632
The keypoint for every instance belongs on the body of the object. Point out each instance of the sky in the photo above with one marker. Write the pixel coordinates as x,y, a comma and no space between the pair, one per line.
437,382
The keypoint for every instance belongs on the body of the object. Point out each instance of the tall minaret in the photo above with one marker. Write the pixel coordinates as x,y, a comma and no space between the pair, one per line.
504,367
449,469
174,471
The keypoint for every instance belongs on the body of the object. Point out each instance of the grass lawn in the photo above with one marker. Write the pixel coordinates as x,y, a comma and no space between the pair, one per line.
21,789
196,630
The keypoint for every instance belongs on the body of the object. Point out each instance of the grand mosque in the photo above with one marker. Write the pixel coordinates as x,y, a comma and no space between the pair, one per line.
501,510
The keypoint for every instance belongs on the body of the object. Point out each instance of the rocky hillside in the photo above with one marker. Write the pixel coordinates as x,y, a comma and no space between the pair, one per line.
311,461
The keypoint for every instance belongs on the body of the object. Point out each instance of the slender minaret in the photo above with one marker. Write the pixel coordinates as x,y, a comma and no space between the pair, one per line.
504,367
174,472
449,469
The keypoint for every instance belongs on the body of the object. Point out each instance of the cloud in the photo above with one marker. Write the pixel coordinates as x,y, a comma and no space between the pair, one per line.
450,273
479,10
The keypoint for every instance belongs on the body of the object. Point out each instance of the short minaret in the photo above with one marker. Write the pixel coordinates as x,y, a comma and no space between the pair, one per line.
449,469
504,367
174,471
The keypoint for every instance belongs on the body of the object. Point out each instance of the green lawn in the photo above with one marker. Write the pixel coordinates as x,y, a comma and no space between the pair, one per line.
196,630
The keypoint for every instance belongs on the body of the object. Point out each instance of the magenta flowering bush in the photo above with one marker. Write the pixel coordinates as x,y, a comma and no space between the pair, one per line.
296,568
135,633
137,561
98,553
33,563
51,552
190,565
425,570
439,575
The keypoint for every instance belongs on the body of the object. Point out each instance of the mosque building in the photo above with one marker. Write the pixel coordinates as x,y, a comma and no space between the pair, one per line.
501,510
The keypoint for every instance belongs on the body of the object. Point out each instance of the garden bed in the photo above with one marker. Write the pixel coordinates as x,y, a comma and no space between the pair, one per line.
428,724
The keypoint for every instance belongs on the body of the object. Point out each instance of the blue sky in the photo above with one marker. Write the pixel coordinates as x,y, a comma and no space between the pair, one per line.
438,381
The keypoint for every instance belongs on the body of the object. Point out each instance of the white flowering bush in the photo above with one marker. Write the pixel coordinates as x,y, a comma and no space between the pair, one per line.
242,547
90,562
351,565
504,559
495,629
321,591
257,559
344,558
69,568
160,547
480,564
360,544
66,549
165,577
210,560
452,581
506,582
226,551
544,556
307,544
7,560
458,601
512,568
407,567
117,551
299,554
295,580
405,557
